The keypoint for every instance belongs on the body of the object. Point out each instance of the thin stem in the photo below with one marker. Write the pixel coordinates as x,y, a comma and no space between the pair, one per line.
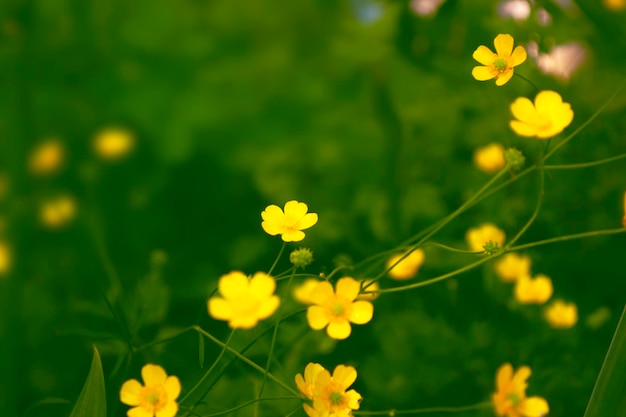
567,237
280,253
527,80
246,404
586,164
393,412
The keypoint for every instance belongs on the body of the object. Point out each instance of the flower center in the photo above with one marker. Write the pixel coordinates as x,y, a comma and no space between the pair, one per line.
154,398
338,309
335,398
514,399
500,64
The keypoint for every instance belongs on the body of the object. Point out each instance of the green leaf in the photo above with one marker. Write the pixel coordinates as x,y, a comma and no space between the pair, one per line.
609,394
92,399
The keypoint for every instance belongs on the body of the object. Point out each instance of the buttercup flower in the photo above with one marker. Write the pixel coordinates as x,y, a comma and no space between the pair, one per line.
336,309
407,267
306,385
499,65
290,223
490,158
547,117
328,393
510,399
536,290
47,157
478,237
157,397
512,266
244,301
57,212
562,315
113,143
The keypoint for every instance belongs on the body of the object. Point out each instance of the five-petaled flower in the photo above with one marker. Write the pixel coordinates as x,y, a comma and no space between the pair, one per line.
499,65
510,397
327,392
290,223
547,117
336,309
157,397
244,301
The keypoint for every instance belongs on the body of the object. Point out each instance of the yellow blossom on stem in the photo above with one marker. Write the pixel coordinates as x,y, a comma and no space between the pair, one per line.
157,397
57,212
113,143
290,223
407,267
244,301
562,315
336,309
512,266
329,393
47,157
536,290
499,65
490,158
547,117
478,237
510,399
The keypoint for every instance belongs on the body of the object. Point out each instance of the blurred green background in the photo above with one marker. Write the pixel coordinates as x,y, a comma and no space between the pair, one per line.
364,110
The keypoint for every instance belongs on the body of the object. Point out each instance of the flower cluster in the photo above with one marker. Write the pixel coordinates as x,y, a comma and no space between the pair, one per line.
156,397
510,398
329,394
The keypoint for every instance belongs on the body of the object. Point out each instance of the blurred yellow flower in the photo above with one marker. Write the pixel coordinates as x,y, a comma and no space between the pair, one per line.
290,223
499,65
407,267
157,397
510,399
302,293
536,290
47,157
547,117
562,315
370,293
6,258
615,5
490,158
336,309
512,266
113,143
329,392
244,301
57,212
477,237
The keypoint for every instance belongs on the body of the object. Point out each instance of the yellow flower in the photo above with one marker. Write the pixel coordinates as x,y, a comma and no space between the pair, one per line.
561,314
510,397
328,393
5,257
244,301
57,212
536,290
302,293
290,223
477,237
615,5
338,308
407,267
547,117
157,397
113,143
46,158
512,266
499,65
490,158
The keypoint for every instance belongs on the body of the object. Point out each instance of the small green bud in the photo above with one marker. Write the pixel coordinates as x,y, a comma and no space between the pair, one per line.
301,257
514,158
491,248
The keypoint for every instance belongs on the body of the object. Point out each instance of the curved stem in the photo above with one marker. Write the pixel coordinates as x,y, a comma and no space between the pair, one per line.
393,412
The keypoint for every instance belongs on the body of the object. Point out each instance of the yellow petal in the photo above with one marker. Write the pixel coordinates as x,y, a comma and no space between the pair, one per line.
344,376
523,110
310,411
272,213
129,393
295,209
262,285
293,236
518,56
317,317
272,228
503,376
504,77
153,375
520,377
348,287
301,385
361,313
268,307
307,221
354,399
139,412
484,55
322,292
546,101
503,44
172,387
233,284
170,410
535,407
483,73
523,129
339,330
220,309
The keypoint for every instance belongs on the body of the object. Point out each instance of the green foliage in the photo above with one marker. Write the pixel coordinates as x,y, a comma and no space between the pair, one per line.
92,398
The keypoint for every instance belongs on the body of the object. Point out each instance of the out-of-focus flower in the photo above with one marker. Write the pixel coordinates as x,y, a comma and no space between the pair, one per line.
407,267
426,7
478,237
302,292
6,258
244,301
490,158
47,157
329,393
562,315
336,308
547,117
290,223
536,290
499,65
615,5
517,9
544,17
512,266
157,397
367,11
57,212
510,399
370,293
113,144
562,60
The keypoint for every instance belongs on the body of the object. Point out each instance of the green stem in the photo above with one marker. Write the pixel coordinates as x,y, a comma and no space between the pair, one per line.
393,412
247,404
280,253
587,164
567,237
527,80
